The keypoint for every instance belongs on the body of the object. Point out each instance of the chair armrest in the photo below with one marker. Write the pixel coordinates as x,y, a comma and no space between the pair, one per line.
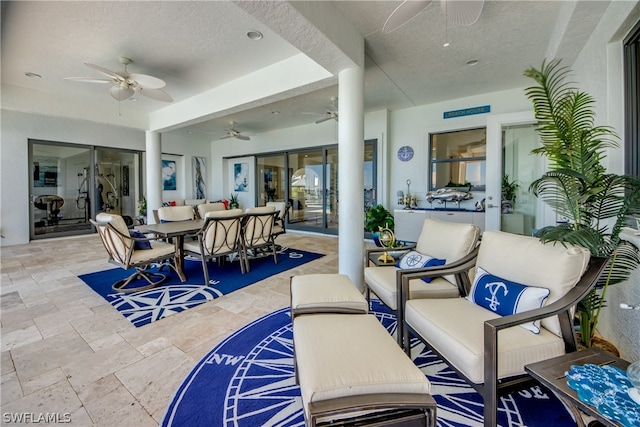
564,304
571,298
383,250
458,268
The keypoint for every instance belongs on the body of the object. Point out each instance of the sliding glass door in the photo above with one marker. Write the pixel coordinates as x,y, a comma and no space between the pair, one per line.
71,183
308,180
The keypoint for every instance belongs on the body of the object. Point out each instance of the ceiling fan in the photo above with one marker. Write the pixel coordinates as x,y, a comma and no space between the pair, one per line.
331,113
235,133
125,84
463,12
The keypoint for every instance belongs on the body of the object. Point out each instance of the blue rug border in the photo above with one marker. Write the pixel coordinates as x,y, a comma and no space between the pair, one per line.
171,411
100,283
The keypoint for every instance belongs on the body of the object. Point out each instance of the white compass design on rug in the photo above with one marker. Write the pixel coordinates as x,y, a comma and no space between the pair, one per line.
157,303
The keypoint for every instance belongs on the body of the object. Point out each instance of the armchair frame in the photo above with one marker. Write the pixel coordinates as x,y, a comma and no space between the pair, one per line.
121,249
403,278
492,387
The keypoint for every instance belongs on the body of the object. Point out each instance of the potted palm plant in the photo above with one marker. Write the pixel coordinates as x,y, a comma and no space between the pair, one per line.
596,204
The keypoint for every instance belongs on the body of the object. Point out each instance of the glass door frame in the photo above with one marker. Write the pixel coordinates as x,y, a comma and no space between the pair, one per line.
32,196
90,183
325,181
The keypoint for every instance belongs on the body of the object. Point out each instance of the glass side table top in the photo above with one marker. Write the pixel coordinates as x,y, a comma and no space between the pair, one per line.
607,389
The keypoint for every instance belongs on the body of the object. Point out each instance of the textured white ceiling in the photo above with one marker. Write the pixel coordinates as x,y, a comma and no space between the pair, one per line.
196,46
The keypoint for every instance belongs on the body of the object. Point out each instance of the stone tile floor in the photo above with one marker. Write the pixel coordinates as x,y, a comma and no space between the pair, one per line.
68,355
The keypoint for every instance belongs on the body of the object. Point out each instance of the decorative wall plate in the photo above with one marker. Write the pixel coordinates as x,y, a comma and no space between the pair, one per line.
405,153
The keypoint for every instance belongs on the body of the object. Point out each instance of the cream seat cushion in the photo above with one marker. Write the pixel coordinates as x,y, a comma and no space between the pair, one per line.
382,281
439,239
526,260
175,213
210,207
460,337
316,293
341,355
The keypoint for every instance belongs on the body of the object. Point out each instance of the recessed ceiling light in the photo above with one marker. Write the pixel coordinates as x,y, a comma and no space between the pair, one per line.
133,99
446,44
254,35
29,74
472,62
275,113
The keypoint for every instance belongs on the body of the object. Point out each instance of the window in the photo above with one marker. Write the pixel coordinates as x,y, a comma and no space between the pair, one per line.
458,159
632,101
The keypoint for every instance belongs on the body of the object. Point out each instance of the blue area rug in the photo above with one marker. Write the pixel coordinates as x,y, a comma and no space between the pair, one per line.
248,380
144,307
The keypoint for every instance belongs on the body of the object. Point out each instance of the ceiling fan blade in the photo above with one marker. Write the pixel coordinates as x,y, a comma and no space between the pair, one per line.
324,119
105,71
243,137
147,82
226,136
89,80
404,13
157,94
464,12
314,114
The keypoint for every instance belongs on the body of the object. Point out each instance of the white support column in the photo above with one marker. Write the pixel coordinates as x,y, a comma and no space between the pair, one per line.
153,146
351,174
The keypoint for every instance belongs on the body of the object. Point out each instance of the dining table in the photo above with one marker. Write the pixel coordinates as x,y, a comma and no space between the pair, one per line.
176,230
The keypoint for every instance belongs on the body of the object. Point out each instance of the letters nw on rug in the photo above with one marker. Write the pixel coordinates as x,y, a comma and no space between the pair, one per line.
144,307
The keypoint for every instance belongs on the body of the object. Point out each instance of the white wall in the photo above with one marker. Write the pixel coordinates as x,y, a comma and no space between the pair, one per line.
598,71
17,129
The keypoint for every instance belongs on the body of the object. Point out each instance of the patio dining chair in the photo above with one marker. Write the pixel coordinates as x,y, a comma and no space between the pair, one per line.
219,237
257,232
128,252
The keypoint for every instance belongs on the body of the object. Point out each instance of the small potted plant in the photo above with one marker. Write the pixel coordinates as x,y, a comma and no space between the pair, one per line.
377,218
233,202
509,194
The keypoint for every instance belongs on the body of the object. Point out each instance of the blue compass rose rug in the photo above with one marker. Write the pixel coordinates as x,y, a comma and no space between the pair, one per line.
248,380
174,296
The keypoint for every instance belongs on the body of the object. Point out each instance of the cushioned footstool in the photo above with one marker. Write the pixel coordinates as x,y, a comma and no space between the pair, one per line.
326,293
350,369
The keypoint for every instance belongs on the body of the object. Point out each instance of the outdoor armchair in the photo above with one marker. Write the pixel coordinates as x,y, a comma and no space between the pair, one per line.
518,311
132,252
447,243
279,225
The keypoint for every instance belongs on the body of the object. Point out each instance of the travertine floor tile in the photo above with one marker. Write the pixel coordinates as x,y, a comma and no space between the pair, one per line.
65,350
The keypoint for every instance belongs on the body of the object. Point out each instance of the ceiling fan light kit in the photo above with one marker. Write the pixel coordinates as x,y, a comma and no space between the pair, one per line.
125,84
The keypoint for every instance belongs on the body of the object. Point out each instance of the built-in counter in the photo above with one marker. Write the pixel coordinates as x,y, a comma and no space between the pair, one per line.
408,222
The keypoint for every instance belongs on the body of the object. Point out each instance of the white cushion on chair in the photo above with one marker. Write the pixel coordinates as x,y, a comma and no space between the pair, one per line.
382,280
342,355
526,260
175,213
454,327
447,240
326,293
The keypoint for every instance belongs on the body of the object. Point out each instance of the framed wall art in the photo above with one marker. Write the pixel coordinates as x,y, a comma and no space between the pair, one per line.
199,177
169,175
